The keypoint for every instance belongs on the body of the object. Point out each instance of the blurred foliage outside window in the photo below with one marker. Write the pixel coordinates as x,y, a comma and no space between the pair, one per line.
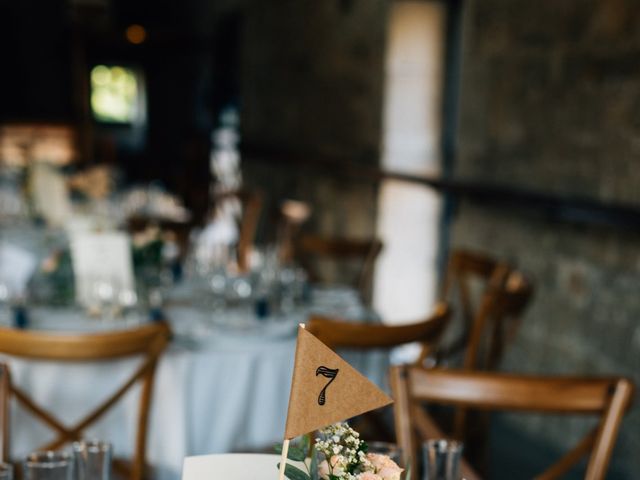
115,94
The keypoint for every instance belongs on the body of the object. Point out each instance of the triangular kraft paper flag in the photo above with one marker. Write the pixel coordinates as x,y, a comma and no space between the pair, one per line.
325,389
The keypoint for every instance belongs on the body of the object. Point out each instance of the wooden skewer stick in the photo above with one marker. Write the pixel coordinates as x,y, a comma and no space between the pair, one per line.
283,458
285,449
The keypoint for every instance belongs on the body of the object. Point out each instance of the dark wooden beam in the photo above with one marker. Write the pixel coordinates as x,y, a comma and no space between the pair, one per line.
569,209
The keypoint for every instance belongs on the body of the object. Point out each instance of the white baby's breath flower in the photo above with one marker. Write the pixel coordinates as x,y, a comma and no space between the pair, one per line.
340,454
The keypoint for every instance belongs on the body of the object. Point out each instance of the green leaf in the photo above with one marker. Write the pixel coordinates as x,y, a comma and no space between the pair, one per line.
297,454
314,463
407,474
299,449
305,444
294,473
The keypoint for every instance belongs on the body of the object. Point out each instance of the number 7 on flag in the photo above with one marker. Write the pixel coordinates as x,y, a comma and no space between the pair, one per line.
330,373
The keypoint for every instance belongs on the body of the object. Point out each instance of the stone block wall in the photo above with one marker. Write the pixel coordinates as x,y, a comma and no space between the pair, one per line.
312,84
550,98
550,101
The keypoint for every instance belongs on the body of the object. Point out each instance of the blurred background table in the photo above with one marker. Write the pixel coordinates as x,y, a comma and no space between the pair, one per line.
223,385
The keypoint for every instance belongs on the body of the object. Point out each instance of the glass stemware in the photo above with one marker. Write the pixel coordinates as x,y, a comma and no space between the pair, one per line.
5,310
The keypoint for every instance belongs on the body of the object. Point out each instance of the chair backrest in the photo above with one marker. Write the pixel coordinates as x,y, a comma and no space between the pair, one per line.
363,336
490,320
148,341
310,247
251,202
607,398
251,209
5,385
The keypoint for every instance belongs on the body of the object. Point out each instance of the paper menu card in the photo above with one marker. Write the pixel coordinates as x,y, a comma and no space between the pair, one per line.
16,268
50,194
101,258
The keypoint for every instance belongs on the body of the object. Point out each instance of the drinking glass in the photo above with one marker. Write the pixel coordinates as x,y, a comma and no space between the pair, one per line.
92,460
6,471
218,284
5,306
441,460
48,466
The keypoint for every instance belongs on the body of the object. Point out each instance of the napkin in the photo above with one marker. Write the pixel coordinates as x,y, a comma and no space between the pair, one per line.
17,266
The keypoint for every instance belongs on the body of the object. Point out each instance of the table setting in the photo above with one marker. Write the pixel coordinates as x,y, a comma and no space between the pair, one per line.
72,266
337,452
222,385
225,383
86,460
218,388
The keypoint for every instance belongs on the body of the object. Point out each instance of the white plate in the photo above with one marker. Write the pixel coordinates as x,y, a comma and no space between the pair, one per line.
231,466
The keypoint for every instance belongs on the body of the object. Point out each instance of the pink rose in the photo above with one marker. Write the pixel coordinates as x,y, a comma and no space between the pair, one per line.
384,467
336,468
390,473
368,476
323,470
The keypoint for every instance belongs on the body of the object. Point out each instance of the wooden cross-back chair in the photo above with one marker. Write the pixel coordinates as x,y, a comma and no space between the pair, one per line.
491,320
342,334
5,385
313,247
251,202
338,334
148,341
607,398
490,315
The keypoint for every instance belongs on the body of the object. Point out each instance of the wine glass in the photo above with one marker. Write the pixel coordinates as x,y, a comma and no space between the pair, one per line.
218,285
128,301
5,310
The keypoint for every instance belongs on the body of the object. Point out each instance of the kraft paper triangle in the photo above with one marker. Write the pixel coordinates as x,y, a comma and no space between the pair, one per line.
325,389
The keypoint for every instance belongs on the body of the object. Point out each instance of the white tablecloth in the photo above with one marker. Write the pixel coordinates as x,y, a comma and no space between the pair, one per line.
216,390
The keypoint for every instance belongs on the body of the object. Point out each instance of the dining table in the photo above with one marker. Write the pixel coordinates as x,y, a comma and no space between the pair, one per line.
221,386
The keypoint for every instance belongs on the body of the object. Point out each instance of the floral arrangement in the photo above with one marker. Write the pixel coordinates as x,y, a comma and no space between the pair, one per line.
339,454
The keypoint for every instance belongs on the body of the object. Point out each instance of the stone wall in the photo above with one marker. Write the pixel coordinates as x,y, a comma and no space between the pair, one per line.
550,102
312,84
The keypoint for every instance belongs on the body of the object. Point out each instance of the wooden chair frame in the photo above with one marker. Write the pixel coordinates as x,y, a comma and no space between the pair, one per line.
361,336
340,249
490,324
251,202
338,334
251,209
5,392
149,341
506,295
608,398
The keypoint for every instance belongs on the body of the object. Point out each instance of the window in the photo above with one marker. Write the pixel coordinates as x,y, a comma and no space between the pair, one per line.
409,215
117,95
